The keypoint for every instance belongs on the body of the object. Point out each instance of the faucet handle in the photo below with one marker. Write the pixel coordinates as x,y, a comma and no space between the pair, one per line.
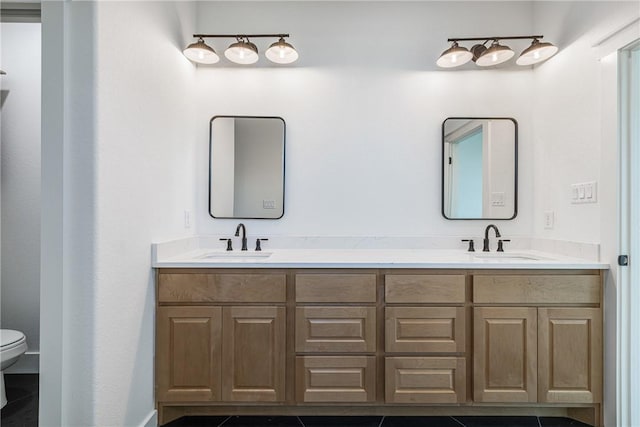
258,248
229,247
471,248
500,247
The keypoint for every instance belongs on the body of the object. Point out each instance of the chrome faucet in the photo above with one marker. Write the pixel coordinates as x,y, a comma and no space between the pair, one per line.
244,235
485,242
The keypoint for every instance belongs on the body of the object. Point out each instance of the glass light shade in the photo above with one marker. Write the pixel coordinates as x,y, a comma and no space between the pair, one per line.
537,52
201,53
496,54
242,52
455,56
281,52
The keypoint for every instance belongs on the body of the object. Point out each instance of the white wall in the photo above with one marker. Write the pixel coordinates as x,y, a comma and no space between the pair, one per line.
20,98
125,152
364,108
575,128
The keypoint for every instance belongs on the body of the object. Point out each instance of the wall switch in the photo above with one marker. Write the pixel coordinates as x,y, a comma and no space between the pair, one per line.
574,193
548,220
187,219
585,192
581,191
268,204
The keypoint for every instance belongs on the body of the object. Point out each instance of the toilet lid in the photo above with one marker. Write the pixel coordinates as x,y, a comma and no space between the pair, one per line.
9,336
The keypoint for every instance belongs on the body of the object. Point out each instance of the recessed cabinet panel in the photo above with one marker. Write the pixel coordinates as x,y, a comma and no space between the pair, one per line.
335,379
505,350
188,350
425,329
425,379
424,288
335,329
254,354
540,289
570,355
340,288
186,288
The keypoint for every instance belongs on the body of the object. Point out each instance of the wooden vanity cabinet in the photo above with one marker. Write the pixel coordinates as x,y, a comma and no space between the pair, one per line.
425,339
208,348
547,351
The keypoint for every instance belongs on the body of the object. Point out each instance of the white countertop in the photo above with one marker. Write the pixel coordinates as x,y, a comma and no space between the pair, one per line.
371,258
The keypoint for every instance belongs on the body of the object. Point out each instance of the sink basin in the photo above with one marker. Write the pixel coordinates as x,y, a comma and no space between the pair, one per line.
505,257
236,256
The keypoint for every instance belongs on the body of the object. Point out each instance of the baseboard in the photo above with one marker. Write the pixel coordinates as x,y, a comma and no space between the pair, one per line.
151,420
28,363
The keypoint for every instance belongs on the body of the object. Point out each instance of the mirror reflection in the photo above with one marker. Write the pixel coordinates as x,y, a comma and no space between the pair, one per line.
246,167
479,168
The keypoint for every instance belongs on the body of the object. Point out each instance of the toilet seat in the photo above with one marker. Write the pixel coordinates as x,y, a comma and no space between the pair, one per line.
10,339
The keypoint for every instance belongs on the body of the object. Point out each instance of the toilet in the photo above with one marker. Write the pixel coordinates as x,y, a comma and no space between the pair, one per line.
14,344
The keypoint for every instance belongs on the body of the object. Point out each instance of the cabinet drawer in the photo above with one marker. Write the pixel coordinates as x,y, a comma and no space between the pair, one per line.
425,329
425,380
542,289
336,379
221,288
424,288
345,288
335,329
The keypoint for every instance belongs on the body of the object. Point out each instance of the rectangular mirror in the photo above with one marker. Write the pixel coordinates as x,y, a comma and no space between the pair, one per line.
246,167
479,168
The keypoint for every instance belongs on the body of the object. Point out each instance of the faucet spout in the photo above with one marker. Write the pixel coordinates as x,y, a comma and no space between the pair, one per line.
485,242
244,235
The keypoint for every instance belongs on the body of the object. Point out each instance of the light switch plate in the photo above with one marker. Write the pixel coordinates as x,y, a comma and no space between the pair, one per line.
548,220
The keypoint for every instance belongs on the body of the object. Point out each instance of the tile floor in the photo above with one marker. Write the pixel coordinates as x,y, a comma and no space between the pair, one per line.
22,395
374,422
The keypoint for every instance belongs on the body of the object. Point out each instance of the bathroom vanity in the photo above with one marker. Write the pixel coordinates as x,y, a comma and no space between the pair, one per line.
360,336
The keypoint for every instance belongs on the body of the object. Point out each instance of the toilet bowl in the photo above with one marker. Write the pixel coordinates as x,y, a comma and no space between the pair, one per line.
13,345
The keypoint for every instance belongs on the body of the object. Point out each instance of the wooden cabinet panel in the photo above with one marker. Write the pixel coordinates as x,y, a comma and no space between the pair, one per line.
425,329
425,380
254,353
570,355
335,379
341,288
505,354
542,289
188,354
336,329
424,288
186,288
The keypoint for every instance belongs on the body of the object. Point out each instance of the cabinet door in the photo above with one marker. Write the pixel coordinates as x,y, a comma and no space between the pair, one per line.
253,360
570,355
336,329
505,354
425,380
425,329
335,379
188,354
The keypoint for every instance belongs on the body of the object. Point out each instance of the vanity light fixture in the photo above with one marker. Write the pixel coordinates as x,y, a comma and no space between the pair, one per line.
496,53
242,51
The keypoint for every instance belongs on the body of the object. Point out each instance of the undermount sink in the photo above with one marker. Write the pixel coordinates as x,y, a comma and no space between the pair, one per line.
236,256
506,257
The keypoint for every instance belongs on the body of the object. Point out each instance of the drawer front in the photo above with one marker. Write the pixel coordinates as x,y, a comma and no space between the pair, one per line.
335,379
425,329
336,329
186,288
345,288
425,380
423,288
542,289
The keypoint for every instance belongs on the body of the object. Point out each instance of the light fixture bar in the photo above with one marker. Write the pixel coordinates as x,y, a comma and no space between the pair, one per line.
235,36
469,39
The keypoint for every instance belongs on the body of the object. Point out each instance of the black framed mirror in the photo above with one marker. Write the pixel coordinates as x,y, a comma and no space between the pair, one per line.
246,167
479,168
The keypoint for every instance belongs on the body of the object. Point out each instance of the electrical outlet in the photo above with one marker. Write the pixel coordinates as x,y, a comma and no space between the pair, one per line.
548,220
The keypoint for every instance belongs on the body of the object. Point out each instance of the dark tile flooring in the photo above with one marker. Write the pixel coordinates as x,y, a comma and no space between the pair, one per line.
22,396
374,422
